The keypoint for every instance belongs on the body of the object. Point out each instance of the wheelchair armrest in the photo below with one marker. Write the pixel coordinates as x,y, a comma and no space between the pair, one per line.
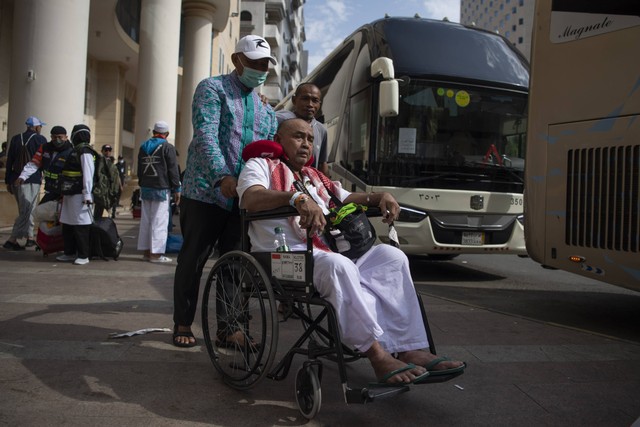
373,211
287,211
283,212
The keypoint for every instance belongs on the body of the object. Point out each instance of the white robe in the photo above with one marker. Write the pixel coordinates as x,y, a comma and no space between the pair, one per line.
74,210
374,298
154,226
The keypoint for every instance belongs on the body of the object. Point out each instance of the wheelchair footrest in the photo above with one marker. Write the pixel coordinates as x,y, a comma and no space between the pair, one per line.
369,394
433,379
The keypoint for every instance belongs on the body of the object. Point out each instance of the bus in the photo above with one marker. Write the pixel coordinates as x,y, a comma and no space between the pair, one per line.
583,160
435,113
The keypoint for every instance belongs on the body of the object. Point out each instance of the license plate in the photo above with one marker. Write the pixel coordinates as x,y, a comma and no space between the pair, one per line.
288,266
473,238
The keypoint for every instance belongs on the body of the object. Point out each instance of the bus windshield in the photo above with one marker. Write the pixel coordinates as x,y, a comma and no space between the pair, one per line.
452,136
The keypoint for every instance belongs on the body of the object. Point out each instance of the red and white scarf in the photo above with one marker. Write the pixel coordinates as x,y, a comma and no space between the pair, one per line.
282,179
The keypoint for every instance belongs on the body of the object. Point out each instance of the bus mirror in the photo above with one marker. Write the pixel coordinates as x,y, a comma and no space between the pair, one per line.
382,67
389,96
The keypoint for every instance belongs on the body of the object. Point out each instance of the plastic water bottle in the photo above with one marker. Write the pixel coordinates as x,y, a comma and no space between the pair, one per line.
280,243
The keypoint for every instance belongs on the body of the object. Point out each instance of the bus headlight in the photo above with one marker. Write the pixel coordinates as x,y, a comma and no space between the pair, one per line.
411,215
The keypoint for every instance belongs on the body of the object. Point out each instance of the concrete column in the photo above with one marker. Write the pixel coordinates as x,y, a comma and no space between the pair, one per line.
109,105
48,63
158,67
198,27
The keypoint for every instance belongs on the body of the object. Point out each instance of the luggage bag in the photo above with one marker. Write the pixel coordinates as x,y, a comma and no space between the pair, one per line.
104,239
49,237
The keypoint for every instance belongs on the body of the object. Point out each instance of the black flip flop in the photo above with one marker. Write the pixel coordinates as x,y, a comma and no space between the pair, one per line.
189,334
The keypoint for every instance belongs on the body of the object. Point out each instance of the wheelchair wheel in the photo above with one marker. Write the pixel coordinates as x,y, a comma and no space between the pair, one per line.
308,392
238,302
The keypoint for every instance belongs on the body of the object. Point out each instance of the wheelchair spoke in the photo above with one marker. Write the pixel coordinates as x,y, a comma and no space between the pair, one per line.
239,319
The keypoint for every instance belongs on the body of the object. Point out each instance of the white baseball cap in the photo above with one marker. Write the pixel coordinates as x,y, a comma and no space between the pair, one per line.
161,127
255,47
33,121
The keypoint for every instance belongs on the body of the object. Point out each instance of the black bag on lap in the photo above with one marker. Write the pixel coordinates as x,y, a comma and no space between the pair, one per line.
349,232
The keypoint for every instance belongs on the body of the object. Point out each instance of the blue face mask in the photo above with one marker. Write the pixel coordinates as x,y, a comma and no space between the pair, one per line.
252,78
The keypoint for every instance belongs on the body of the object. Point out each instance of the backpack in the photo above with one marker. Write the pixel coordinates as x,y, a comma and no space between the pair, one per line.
23,157
106,182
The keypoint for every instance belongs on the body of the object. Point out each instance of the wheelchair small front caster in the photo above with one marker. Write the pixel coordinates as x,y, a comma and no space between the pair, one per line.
308,392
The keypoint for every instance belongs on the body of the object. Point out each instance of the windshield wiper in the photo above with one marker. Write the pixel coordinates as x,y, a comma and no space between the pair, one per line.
445,175
496,168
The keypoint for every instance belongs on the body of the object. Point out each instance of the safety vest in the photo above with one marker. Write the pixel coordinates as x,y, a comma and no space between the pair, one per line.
70,179
52,164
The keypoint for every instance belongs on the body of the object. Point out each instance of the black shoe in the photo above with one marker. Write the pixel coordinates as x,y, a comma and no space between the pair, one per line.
12,246
30,243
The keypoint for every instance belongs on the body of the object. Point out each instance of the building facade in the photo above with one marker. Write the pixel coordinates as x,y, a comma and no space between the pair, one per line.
119,66
511,18
281,23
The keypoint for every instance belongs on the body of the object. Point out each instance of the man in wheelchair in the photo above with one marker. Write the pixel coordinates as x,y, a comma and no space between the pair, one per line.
374,296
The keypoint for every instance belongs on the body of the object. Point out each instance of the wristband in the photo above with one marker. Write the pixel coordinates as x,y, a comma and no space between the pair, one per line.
302,198
292,200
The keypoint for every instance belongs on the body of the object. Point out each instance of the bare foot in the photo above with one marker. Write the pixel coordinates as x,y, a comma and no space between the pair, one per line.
423,358
237,339
383,363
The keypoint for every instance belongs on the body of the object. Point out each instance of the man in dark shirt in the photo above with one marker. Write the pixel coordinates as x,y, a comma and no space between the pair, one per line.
26,193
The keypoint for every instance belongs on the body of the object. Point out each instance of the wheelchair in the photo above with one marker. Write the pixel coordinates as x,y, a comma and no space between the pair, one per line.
241,296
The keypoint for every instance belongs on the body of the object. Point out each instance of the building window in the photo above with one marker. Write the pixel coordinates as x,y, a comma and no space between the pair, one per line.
129,116
521,21
128,13
87,91
245,16
520,40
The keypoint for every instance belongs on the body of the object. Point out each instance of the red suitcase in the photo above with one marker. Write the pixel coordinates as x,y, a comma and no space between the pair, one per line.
49,237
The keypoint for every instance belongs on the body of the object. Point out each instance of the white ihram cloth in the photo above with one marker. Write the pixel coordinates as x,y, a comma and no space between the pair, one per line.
74,210
374,298
154,226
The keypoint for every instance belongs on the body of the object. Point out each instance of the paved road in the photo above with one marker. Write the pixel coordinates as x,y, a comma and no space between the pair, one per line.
520,287
60,368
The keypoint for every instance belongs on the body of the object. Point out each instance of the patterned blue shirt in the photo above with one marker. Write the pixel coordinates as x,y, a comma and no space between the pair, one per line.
225,119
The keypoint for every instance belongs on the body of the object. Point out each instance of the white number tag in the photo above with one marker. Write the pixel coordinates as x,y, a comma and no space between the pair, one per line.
288,266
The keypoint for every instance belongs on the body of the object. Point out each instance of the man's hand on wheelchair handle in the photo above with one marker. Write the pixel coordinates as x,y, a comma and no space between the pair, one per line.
228,186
